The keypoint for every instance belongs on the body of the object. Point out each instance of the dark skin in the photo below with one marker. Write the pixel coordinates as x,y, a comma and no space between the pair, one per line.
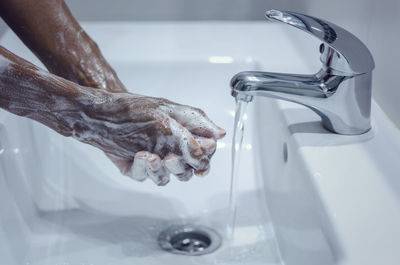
49,30
84,98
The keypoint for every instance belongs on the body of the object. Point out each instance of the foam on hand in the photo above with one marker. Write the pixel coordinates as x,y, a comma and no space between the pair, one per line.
145,137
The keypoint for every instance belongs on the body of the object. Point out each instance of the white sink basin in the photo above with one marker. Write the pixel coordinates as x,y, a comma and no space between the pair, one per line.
335,199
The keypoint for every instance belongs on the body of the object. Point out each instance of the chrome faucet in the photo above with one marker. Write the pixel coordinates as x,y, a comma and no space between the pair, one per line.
340,92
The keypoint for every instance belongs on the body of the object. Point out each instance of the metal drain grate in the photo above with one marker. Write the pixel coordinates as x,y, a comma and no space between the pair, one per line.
189,240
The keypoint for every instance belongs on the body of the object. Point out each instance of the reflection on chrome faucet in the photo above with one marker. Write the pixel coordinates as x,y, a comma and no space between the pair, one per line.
340,93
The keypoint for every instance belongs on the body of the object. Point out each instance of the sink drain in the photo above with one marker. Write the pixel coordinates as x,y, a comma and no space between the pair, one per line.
189,240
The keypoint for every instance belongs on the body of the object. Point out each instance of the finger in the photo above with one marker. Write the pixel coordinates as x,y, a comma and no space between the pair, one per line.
138,171
155,170
208,145
191,150
197,122
186,176
174,164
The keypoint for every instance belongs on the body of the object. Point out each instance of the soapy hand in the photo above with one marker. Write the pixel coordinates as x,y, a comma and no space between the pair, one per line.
145,137
148,165
149,137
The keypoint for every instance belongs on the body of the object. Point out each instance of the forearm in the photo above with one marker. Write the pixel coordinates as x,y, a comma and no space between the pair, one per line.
48,28
28,91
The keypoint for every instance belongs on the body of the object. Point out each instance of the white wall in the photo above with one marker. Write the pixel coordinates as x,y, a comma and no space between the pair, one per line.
177,9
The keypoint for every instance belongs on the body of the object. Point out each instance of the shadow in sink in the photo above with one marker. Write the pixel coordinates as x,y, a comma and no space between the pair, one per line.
131,236
312,133
308,127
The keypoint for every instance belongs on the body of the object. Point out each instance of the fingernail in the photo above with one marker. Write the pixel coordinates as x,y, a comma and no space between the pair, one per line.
154,162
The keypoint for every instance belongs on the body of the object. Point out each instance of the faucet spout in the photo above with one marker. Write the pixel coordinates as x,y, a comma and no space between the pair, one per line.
343,102
285,86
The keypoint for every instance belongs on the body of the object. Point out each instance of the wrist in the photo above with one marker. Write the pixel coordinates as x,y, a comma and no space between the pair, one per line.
94,102
70,111
83,64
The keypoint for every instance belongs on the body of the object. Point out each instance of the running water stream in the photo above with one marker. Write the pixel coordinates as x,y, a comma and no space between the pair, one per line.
236,148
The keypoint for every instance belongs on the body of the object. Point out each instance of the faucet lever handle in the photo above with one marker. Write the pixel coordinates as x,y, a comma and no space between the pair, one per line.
345,52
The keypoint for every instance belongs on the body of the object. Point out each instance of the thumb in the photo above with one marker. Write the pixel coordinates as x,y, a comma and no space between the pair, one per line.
197,122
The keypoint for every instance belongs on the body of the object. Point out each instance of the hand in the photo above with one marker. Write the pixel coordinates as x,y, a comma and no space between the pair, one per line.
149,137
122,125
148,165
